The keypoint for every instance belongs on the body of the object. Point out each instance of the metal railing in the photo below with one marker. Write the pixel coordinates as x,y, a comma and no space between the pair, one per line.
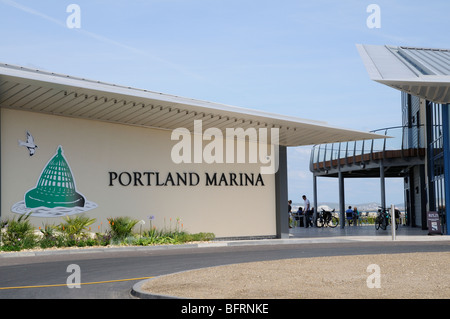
399,138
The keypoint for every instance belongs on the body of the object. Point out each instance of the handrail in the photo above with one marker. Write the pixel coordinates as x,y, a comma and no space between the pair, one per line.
399,138
388,128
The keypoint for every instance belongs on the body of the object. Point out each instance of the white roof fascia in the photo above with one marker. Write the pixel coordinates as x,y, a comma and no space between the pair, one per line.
385,67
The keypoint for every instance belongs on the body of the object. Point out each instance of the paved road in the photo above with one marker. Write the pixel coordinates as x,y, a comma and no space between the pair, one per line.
100,271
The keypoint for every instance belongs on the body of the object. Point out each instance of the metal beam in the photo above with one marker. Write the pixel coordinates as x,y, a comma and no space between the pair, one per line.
382,185
0,169
446,137
341,200
316,206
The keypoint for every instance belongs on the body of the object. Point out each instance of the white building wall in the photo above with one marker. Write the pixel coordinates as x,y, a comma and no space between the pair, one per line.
94,149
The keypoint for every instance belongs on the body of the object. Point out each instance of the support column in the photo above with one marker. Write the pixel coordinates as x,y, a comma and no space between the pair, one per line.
316,207
341,200
0,164
446,138
382,185
281,195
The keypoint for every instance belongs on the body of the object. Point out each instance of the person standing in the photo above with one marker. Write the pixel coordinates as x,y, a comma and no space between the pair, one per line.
355,216
290,213
307,211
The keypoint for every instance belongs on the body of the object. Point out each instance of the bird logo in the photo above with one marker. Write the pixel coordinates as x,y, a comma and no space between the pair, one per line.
29,144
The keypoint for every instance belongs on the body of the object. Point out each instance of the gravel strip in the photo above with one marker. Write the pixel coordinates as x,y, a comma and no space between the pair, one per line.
404,276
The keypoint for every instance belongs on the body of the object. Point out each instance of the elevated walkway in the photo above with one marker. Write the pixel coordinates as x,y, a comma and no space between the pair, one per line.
403,147
394,156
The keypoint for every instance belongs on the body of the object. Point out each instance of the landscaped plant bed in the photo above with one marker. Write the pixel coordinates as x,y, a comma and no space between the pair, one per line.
74,233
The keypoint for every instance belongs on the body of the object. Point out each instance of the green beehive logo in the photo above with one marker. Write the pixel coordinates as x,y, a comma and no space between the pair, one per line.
56,187
55,193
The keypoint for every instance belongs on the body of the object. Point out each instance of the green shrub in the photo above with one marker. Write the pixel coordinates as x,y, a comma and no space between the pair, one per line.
53,241
74,227
18,234
103,239
48,231
186,237
121,227
154,236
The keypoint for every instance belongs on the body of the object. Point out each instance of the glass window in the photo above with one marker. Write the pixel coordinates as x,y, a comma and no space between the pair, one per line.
436,157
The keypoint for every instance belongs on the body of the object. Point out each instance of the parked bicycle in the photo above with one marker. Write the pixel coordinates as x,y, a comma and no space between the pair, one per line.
384,219
327,219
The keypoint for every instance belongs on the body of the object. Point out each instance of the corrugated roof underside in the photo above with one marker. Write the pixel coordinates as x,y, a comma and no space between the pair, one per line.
127,106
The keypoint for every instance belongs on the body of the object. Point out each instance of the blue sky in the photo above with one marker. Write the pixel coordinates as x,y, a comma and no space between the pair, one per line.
294,58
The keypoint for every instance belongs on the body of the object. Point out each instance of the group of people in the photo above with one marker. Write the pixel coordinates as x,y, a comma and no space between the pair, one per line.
351,214
306,212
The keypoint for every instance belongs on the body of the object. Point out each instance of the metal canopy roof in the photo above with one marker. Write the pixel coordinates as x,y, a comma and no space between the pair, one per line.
50,93
422,72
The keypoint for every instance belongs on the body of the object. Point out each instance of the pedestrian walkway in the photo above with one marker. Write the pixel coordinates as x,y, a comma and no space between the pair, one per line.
365,232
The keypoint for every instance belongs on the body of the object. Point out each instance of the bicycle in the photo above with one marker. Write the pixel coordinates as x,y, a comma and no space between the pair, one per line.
327,219
384,219
380,220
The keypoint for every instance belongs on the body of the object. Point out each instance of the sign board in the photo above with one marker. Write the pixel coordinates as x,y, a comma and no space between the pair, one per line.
434,223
